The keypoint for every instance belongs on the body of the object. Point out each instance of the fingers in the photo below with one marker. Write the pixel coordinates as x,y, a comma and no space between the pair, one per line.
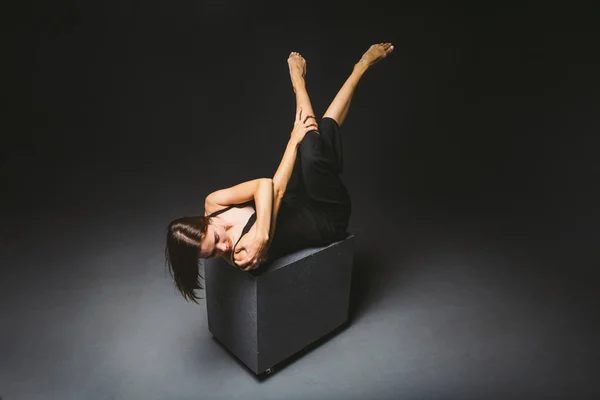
299,116
309,116
311,126
248,263
250,266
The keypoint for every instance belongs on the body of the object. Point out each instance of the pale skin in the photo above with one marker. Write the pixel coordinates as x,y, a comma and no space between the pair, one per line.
225,229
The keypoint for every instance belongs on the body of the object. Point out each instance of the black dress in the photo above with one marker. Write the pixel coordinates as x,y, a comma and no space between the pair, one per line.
316,208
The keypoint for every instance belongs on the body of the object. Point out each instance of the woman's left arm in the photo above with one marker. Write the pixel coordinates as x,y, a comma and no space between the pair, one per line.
256,248
263,200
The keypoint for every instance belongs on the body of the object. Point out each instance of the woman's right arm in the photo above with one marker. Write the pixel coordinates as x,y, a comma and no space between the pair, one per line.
280,181
284,172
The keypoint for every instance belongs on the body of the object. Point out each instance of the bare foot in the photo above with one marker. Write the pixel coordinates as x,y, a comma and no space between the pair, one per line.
376,53
297,65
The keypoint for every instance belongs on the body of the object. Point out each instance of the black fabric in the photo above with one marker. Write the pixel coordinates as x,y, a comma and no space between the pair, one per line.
320,163
316,207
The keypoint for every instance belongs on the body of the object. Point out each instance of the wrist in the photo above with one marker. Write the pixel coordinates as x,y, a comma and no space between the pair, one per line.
262,235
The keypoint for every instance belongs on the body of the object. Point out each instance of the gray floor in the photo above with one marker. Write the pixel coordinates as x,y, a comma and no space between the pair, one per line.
451,314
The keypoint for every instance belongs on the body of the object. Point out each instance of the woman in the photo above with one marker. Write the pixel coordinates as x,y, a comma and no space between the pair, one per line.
305,202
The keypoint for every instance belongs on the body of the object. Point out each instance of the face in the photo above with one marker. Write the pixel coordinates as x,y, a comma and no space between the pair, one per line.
215,243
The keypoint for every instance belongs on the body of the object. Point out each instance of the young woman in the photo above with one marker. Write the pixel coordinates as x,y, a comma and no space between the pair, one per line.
305,204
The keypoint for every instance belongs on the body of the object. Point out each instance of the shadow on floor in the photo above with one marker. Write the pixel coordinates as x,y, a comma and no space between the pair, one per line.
366,272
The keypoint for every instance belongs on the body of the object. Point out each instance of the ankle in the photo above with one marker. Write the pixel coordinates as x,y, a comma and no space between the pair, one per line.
360,67
298,83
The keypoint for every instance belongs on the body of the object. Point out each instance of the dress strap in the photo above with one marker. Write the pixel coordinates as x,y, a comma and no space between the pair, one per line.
221,211
230,207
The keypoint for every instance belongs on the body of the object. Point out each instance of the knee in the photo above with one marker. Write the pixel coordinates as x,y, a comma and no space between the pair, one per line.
313,135
328,121
309,142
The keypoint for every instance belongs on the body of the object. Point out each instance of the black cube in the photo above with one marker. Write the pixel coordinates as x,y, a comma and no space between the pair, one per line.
266,315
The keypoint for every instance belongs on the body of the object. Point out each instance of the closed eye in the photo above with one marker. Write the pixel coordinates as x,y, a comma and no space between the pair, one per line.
215,248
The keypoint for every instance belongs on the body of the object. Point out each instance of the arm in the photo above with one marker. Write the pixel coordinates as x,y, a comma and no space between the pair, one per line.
268,193
251,190
283,173
263,199
260,190
280,181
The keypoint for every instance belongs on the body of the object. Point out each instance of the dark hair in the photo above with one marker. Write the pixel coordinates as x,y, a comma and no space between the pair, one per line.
184,236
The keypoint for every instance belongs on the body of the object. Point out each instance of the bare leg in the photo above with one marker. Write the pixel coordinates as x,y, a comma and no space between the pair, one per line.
297,66
338,109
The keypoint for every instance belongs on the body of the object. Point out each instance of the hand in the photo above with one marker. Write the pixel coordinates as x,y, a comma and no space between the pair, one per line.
302,125
256,249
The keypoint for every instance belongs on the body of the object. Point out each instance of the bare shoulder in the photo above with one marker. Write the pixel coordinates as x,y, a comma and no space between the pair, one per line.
211,207
208,207
237,194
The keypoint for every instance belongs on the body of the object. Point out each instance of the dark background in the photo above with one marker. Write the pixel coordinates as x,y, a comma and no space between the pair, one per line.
471,155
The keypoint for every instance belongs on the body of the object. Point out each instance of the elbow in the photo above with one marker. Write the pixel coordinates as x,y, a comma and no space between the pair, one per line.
278,195
273,185
266,182
278,190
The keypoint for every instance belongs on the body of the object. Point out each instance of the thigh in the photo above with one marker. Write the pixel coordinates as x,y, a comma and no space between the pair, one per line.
321,163
295,185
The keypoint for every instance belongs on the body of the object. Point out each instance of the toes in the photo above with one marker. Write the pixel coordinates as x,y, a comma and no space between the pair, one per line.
383,46
387,47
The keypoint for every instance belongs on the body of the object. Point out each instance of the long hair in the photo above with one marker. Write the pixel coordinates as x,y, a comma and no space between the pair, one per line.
184,236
